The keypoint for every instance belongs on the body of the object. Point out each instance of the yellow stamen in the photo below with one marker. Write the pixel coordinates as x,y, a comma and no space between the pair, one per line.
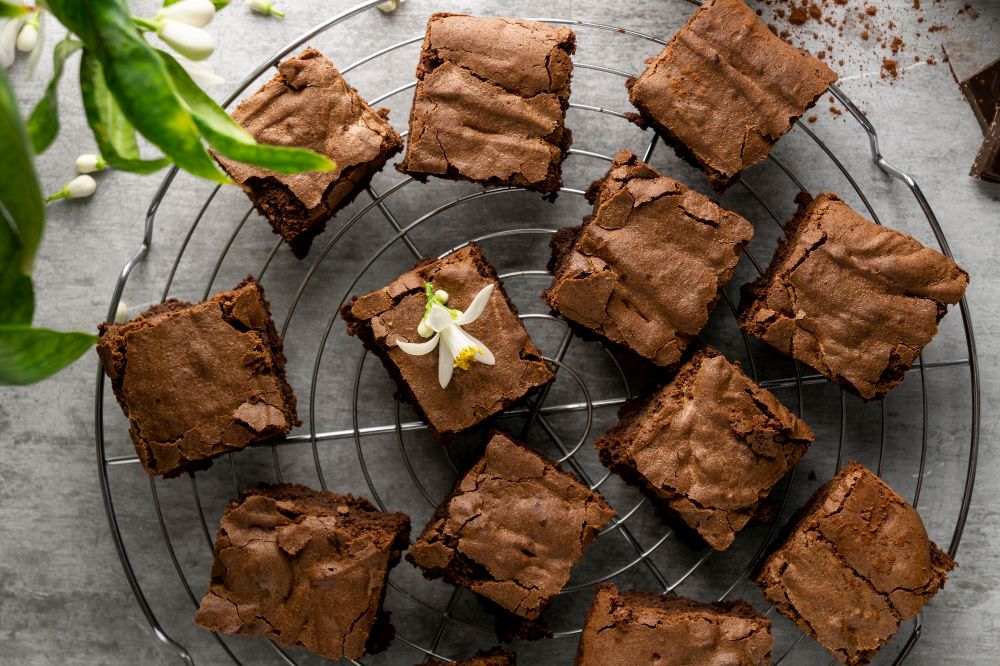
465,357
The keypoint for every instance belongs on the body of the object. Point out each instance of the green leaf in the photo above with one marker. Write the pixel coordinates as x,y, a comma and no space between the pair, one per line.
138,79
29,355
17,300
114,134
20,195
14,10
43,123
231,140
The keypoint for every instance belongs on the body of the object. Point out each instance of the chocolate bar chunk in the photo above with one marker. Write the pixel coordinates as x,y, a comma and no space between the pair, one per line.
987,164
979,83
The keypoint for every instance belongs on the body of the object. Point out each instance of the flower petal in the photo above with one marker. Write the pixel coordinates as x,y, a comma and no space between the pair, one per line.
439,318
445,367
483,353
476,307
419,348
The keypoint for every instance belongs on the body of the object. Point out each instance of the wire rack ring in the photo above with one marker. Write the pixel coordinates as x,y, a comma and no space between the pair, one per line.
537,412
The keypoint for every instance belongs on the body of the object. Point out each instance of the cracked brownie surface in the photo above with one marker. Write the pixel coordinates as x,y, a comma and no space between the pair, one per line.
646,269
708,448
490,102
308,104
856,563
852,299
726,88
385,316
196,381
304,568
512,529
630,628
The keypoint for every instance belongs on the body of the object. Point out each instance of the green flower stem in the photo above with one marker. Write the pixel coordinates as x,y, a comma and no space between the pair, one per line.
146,25
61,194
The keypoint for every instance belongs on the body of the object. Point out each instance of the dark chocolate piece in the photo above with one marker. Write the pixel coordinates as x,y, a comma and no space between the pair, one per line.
707,448
197,381
980,83
304,568
857,562
490,103
511,529
392,313
987,164
633,628
725,89
854,300
646,269
308,104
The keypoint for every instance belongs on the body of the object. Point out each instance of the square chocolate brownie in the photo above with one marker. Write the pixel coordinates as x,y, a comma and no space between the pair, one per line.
511,529
856,562
304,568
197,381
632,628
854,300
490,103
308,104
725,89
494,657
646,269
707,448
475,391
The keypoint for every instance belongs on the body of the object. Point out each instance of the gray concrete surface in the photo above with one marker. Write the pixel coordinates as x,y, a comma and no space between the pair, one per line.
63,596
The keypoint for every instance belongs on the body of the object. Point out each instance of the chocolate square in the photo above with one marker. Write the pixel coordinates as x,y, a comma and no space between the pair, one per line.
725,89
490,103
199,380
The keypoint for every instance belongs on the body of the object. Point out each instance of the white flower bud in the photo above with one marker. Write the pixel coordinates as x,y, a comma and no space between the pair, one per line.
191,42
9,30
27,38
264,7
390,5
78,188
121,313
442,294
81,187
424,329
89,163
198,13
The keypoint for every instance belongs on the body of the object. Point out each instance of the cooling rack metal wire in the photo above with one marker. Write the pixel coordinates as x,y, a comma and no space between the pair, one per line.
536,413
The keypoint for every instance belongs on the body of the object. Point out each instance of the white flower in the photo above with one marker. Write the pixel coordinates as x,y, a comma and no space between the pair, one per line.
78,188
200,72
390,5
27,38
198,13
89,163
121,312
9,30
264,7
444,327
188,40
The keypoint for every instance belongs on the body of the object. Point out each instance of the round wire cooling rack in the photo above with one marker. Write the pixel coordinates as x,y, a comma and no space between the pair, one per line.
448,625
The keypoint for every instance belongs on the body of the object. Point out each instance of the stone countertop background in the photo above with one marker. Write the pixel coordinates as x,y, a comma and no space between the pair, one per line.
63,596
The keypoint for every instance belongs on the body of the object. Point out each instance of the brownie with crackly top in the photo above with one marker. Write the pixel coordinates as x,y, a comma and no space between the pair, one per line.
855,563
304,568
646,269
708,448
511,530
490,103
199,380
